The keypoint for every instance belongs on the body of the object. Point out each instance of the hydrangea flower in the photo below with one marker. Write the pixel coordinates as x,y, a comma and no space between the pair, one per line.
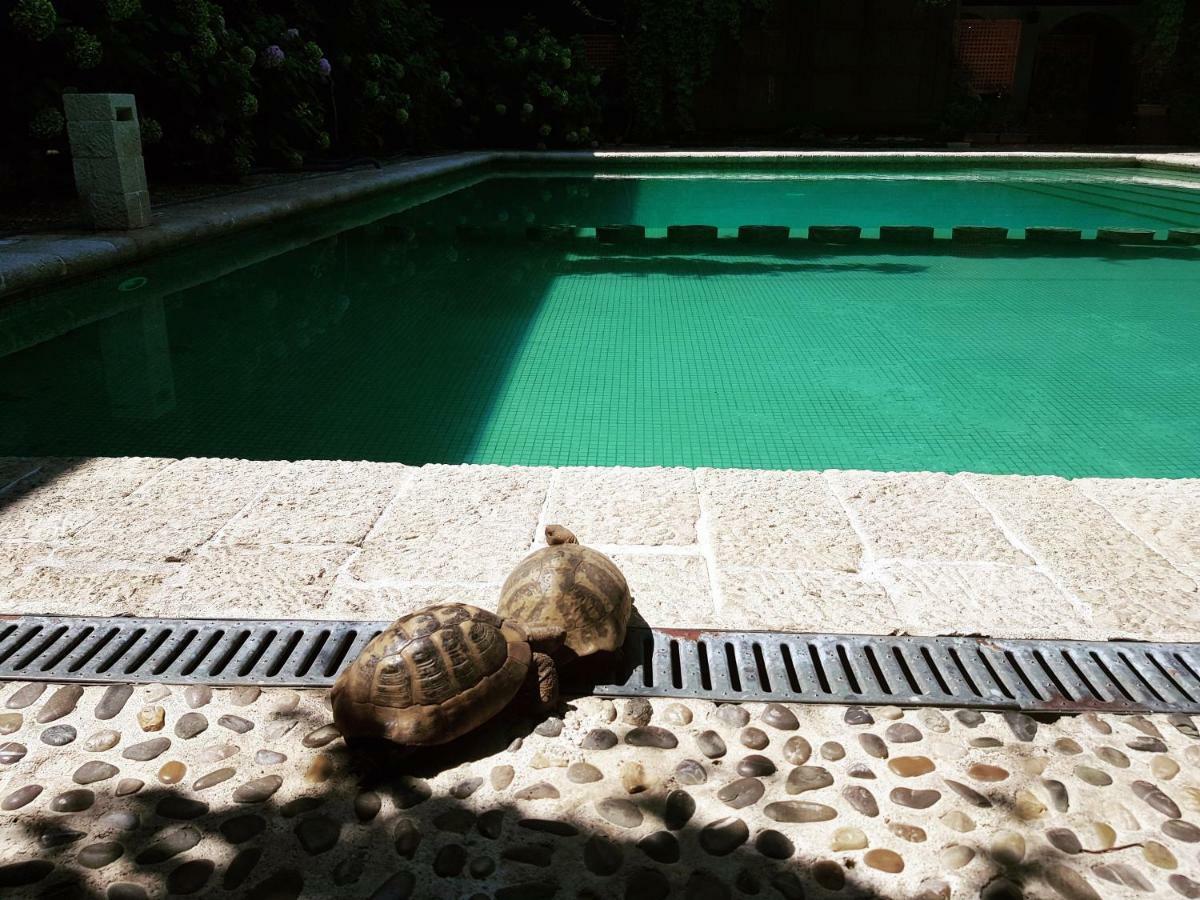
247,105
313,52
119,10
46,123
86,50
36,19
247,56
206,44
273,56
324,67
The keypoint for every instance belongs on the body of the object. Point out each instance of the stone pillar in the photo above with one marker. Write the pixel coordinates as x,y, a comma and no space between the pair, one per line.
106,149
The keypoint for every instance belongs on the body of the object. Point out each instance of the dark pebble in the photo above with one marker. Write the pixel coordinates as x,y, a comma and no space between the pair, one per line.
540,855
861,799
651,736
491,823
257,789
873,744
25,695
902,733
12,752
367,805
788,885
466,788
678,810
583,773
860,770
722,837
94,770
450,860
455,820
236,724
242,828
829,875
240,868
406,836
321,736
1156,799
856,715
543,790
808,778
61,703
637,711
190,877
968,793
1147,745
620,812
213,778
73,801
146,750
1182,722
647,884
551,727
599,739
602,856
969,717
691,772
22,796
756,766
799,811
58,735
318,834
298,806
1181,884
914,799
126,890
741,793
754,738
1022,726
774,844
28,871
711,744
286,884
190,724
113,700
197,695
59,835
99,855
180,808
780,717
1181,831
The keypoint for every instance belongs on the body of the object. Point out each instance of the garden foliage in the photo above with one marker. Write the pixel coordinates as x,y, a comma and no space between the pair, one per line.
230,85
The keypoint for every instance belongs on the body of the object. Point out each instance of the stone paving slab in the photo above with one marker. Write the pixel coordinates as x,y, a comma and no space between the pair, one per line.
869,552
125,792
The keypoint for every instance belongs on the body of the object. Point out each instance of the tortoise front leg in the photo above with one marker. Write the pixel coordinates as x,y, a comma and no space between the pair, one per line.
543,675
544,638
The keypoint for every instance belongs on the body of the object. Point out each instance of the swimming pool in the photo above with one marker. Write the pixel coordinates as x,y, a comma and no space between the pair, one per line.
407,338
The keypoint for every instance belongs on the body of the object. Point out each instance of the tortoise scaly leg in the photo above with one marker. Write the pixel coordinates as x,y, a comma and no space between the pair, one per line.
544,675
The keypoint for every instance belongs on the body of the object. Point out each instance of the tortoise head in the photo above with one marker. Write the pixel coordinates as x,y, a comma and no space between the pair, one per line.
557,534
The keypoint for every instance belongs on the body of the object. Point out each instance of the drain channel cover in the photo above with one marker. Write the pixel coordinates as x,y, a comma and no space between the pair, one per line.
1065,676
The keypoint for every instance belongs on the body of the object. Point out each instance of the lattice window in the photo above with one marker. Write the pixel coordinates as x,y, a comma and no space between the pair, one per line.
987,49
601,50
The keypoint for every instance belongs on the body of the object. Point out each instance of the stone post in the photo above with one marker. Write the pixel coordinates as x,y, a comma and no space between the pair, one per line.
106,150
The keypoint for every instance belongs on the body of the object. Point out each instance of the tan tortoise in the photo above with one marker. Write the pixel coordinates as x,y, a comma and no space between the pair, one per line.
572,588
437,673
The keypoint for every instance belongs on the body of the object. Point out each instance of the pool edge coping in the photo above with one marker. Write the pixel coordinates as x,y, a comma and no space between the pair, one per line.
37,260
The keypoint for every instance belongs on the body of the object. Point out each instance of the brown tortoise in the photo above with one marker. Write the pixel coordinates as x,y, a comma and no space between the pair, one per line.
573,588
437,673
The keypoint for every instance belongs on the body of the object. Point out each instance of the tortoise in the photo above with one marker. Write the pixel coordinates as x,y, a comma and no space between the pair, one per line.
437,673
571,588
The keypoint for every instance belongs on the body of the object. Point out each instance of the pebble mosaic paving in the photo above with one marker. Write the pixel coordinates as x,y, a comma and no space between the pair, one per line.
127,793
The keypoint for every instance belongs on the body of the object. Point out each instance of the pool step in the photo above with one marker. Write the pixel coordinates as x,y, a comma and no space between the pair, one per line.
699,234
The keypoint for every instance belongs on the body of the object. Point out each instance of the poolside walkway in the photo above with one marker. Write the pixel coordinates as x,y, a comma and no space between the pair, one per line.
918,553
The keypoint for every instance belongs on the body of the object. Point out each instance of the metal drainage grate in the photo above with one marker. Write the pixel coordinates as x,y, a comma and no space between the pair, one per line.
718,665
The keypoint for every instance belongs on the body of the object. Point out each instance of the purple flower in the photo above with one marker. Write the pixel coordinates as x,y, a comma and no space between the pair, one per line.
324,67
273,56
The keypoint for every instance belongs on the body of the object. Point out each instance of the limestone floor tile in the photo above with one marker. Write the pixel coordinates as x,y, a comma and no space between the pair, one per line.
923,516
70,582
445,554
805,601
65,494
462,504
182,509
788,521
995,601
669,590
625,506
350,599
1163,512
252,582
1082,546
319,502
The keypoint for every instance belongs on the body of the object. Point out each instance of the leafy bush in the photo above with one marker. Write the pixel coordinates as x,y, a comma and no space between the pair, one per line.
233,84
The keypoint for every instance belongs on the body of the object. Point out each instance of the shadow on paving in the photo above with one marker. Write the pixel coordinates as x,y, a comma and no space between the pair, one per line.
337,841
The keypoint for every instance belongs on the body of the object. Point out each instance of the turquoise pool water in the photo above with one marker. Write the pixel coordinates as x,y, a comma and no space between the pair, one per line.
396,341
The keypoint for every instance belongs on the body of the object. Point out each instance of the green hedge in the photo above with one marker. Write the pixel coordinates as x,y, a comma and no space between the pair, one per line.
230,85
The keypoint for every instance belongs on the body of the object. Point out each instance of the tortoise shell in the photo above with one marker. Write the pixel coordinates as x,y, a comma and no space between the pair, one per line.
574,588
431,676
